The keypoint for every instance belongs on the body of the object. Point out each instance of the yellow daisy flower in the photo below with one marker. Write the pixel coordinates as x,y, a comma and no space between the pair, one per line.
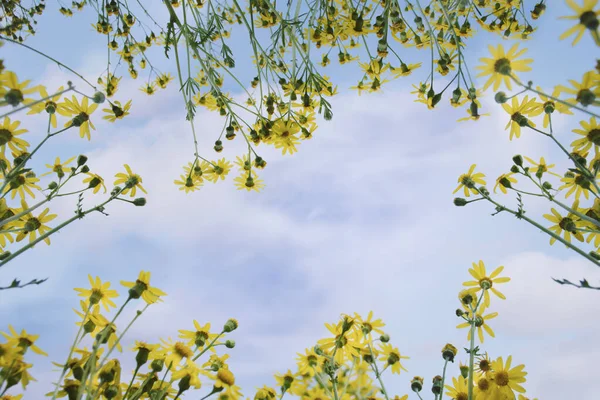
567,224
33,225
504,181
484,282
518,114
51,106
459,389
591,136
9,132
588,19
99,293
141,287
59,168
82,112
23,340
501,66
506,379
480,325
468,181
13,93
130,180
541,167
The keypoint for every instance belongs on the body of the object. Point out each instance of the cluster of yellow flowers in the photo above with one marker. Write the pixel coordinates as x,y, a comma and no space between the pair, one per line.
19,183
582,96
289,89
348,365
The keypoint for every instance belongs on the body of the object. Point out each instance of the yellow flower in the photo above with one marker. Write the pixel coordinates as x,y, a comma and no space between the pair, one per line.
141,287
249,181
218,170
22,184
591,136
289,381
548,105
504,181
99,293
9,133
518,114
188,184
58,167
95,181
588,19
480,325
176,351
116,111
391,355
585,92
163,80
12,92
51,106
469,180
190,371
459,389
568,224
502,65
132,181
404,69
200,337
309,362
577,184
541,167
23,340
485,282
82,114
149,89
110,84
33,225
507,379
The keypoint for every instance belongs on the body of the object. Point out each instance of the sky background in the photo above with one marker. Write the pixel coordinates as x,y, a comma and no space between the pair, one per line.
360,219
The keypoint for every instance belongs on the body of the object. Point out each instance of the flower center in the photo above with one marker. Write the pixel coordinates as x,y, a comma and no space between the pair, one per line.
5,136
586,97
589,20
483,384
14,97
50,107
485,283
181,350
567,224
502,66
484,365
501,378
226,376
594,136
32,224
462,396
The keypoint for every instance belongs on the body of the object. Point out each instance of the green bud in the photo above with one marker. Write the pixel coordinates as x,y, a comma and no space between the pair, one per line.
384,338
85,169
518,160
52,185
460,202
230,325
184,384
99,98
81,160
157,365
141,357
459,312
140,202
514,169
500,98
547,185
111,391
505,182
230,344
464,371
416,384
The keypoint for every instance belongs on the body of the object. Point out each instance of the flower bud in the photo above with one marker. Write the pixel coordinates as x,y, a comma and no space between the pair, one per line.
464,371
157,365
230,344
52,185
505,182
99,98
95,182
140,201
384,338
416,384
459,312
448,352
436,388
547,185
318,351
85,169
184,384
81,160
518,160
500,97
218,146
514,169
141,357
483,190
460,202
230,325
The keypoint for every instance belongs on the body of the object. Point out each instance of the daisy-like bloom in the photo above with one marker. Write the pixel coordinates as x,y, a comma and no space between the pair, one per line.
163,80
567,224
518,114
216,362
13,93
483,364
459,389
468,181
343,344
218,170
578,184
504,181
289,382
99,293
200,336
483,387
108,331
367,326
374,68
116,111
51,106
8,353
149,89
549,106
540,168
23,340
110,84
391,355
9,132
501,66
188,184
585,92
308,363
188,376
480,325
22,185
473,113
59,168
89,322
485,282
588,19
591,136
249,181
506,379
195,170
33,225
404,69
131,181
95,181
20,371
141,288
469,298
81,112
175,352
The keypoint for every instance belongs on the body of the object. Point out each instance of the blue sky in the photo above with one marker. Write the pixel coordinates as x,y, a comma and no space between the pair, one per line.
360,219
